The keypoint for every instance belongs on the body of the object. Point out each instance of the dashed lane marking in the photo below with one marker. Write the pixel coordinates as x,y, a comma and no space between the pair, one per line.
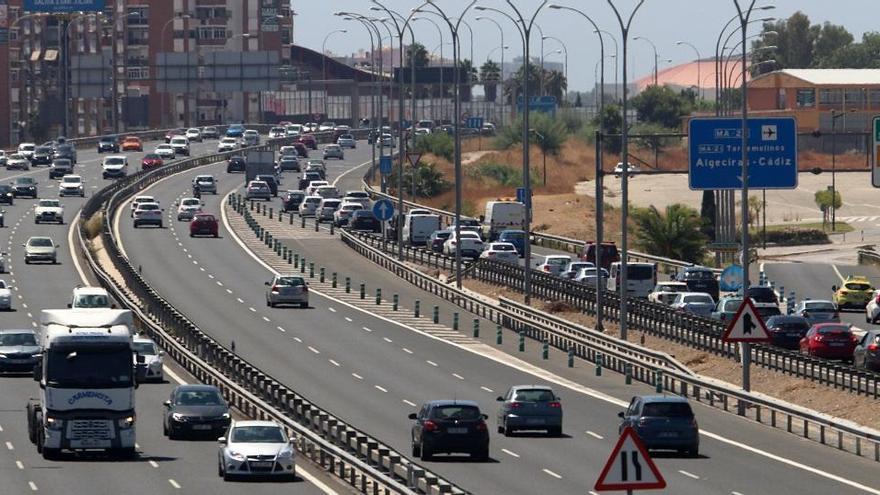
458,376
280,329
407,350
174,484
314,350
19,465
359,377
381,389
689,475
33,486
154,463
432,363
510,453
595,435
409,403
551,473
487,389
334,363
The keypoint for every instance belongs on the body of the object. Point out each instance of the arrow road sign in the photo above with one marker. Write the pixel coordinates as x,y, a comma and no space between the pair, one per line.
747,325
385,165
383,209
629,467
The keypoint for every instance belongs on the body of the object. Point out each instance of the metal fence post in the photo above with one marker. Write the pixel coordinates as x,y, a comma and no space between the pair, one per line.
436,314
658,381
476,328
348,285
363,290
570,357
545,350
522,341
378,296
396,300
499,335
628,373
334,280
599,362
417,309
322,271
455,321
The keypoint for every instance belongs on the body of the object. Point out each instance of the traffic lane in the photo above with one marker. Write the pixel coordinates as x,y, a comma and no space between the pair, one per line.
504,380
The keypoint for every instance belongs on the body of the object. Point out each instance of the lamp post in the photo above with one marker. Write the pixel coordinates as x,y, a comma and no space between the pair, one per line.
564,50
162,40
371,29
324,63
616,57
504,47
656,56
65,47
9,73
543,153
440,32
624,177
376,94
699,64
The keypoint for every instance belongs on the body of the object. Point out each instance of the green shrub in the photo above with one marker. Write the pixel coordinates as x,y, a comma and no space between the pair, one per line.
439,144
429,180
554,132
794,237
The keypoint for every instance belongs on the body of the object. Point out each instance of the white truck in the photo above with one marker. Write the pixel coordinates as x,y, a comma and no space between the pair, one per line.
418,227
502,215
87,383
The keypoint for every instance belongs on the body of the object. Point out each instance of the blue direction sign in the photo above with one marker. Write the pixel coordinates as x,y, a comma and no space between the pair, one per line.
383,209
475,122
385,165
731,278
715,151
63,5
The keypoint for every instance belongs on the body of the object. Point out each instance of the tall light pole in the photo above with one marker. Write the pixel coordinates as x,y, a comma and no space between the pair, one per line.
616,57
372,29
541,78
564,50
167,23
656,56
504,47
65,46
376,97
699,64
624,177
440,32
9,72
324,63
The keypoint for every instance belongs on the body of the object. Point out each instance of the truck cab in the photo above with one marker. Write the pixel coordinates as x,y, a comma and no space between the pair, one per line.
502,215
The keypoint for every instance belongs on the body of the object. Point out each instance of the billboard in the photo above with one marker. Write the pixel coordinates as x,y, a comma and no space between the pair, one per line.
64,5
269,16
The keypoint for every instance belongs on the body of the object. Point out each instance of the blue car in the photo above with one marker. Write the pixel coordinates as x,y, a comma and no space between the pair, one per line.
515,237
235,130
663,422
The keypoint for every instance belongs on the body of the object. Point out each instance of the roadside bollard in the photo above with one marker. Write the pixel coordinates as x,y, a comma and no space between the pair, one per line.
545,350
317,224
312,270
271,211
455,321
599,363
396,300
522,341
363,288
334,280
570,357
499,335
252,205
628,373
302,264
658,381
476,328
280,217
417,309
322,271
436,314
782,293
284,252
290,257
332,227
302,223
378,296
348,285
290,219
296,260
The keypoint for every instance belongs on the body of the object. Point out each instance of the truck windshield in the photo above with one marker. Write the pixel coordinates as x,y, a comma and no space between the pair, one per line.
108,367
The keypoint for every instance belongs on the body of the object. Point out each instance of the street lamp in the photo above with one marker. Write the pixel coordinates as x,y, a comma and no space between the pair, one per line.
699,64
564,50
505,47
440,32
324,63
9,72
162,40
543,152
642,38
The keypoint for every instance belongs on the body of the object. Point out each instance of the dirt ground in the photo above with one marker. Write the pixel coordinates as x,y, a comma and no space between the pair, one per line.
859,409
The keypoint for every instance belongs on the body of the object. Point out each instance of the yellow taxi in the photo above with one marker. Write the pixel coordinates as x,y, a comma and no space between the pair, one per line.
855,292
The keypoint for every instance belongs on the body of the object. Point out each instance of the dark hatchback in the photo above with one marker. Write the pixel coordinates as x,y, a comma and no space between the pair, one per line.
438,237
867,353
450,426
6,194
196,410
42,155
269,179
19,350
109,144
787,331
307,178
67,151
699,279
663,422
364,221
236,163
24,186
289,163
292,199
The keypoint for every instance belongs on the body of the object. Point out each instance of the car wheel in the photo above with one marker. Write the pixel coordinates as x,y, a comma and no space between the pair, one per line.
508,431
426,452
269,303
304,305
500,429
555,431
416,449
160,225
481,455
164,429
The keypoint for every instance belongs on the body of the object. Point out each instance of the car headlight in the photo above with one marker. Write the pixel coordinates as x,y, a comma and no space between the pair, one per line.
285,454
237,456
226,416
127,422
2,356
53,424
178,417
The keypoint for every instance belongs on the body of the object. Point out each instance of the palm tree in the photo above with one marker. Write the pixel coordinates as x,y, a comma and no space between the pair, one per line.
468,78
555,84
490,75
513,86
421,55
676,233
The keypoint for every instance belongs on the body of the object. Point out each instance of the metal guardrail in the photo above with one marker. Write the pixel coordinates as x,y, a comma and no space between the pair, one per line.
827,430
362,461
867,257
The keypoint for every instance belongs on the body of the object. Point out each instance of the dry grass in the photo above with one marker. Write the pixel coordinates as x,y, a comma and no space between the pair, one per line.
94,225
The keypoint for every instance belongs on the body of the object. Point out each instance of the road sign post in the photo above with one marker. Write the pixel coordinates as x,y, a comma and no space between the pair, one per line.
385,165
383,209
414,159
745,328
875,161
629,467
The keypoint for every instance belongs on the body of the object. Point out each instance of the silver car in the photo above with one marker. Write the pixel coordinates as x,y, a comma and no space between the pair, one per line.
818,311
40,249
333,151
256,448
698,303
152,364
5,295
287,289
530,407
19,350
346,141
258,189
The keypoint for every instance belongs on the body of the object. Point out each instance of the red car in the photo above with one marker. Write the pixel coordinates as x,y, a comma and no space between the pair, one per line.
309,141
830,340
301,149
174,132
151,161
206,224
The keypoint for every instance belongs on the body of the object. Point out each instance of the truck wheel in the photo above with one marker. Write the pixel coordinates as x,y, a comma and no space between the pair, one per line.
31,423
51,454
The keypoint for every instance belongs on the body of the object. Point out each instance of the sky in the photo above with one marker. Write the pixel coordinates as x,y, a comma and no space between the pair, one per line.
662,21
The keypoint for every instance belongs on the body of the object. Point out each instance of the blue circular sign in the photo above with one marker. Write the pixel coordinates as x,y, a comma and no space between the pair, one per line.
383,209
731,278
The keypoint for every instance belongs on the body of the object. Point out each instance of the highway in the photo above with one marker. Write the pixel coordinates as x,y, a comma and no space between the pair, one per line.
162,465
373,373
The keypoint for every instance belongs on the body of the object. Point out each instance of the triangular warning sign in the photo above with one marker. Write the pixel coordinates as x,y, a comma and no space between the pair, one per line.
629,467
747,325
414,159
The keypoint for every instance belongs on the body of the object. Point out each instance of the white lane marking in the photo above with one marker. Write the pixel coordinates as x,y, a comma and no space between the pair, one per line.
359,377
551,473
220,283
34,324
348,319
331,310
510,453
240,300
201,267
175,484
407,350
458,376
281,329
487,389
210,276
432,363
314,350
265,318
30,315
412,404
386,339
735,493
343,174
298,340
33,486
252,309
174,376
689,475
334,363
595,435
229,291
1,428
24,306
381,389
9,446
839,275
366,329
545,375
154,464
19,465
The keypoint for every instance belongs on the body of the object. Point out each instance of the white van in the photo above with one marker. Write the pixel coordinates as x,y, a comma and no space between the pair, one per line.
501,216
640,278
418,228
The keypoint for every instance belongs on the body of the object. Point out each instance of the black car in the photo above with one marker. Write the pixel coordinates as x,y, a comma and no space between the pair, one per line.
292,199
269,179
663,422
42,156
699,279
194,410
109,144
7,195
787,331
236,163
364,221
24,186
762,294
307,178
450,426
60,167
67,151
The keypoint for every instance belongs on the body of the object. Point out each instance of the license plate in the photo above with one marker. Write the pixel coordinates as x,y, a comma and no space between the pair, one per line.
201,427
262,464
89,443
19,361
836,344
535,421
668,434
456,431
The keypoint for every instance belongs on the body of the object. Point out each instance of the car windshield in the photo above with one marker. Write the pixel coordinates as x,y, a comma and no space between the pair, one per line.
24,181
2,284
200,398
857,286
788,323
40,242
104,367
762,294
820,306
178,140
49,203
455,412
43,149
205,218
290,281
148,206
204,178
698,298
640,272
668,410
834,329
146,348
671,288
732,304
151,156
258,434
534,395
91,301
71,180
114,161
557,261
699,275
16,339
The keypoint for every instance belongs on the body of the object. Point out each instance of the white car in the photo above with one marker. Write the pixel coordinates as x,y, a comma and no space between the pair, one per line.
49,210
71,185
347,141
148,214
40,249
361,200
553,264
180,145
251,137
5,296
326,126
309,206
187,208
588,276
27,150
165,152
194,134
343,214
326,211
314,185
227,144
327,191
141,199
114,166
632,169
872,310
698,303
17,161
277,132
387,141
665,292
89,297
471,244
293,130
256,448
572,269
500,251
205,183
152,365
310,127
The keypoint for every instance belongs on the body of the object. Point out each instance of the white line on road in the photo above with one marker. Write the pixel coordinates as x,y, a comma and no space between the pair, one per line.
407,350
359,377
19,465
33,486
348,319
252,309
314,350
9,446
298,340
839,275
386,339
458,376
331,310
220,283
229,291
510,453
735,493
432,363
174,484
413,404
381,389
689,475
281,329
487,389
595,435
154,463
265,318
551,473
334,363
240,300
366,329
